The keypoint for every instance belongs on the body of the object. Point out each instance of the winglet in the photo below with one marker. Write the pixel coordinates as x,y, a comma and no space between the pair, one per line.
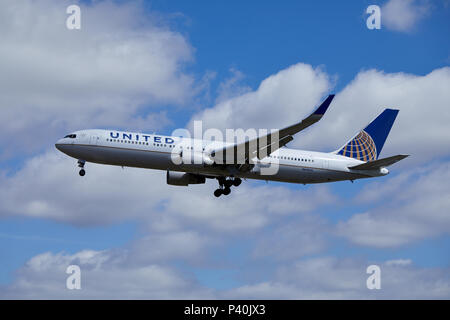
324,106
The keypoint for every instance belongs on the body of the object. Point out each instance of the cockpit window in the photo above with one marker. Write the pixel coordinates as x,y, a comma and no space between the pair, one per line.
71,136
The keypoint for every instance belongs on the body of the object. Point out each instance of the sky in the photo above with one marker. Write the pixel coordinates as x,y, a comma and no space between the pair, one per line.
156,66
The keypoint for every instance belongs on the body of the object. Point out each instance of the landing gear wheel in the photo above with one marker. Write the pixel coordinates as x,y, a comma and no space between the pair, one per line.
237,182
228,183
218,192
226,191
81,166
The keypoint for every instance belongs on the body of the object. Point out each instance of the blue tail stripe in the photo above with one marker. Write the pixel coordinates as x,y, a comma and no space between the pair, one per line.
379,128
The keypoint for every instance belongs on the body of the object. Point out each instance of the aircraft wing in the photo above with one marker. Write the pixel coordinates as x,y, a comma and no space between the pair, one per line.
377,164
264,145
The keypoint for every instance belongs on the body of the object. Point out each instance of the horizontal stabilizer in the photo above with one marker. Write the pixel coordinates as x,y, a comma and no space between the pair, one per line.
377,164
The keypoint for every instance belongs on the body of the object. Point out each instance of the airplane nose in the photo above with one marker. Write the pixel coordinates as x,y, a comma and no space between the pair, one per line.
59,144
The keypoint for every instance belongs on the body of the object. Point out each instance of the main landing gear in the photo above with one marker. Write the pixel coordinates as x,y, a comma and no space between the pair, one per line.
81,165
225,186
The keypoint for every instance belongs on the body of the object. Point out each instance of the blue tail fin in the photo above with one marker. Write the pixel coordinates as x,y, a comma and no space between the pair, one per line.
367,144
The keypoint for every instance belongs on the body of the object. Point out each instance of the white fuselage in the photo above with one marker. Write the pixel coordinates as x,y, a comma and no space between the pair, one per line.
158,152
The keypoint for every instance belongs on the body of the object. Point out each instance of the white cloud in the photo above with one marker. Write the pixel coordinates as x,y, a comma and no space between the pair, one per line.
399,262
104,275
54,80
232,86
117,274
332,278
403,15
415,208
289,94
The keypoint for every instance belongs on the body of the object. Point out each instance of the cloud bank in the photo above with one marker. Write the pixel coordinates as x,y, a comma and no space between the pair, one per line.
403,15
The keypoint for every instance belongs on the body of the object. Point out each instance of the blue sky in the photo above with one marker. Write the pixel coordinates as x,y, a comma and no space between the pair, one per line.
210,54
325,33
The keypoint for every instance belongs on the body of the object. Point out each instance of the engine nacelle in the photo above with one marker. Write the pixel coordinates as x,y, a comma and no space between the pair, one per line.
175,178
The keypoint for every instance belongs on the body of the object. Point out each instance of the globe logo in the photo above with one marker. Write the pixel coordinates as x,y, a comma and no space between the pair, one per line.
360,147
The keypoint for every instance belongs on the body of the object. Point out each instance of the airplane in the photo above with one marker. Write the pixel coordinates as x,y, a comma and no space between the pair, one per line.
192,161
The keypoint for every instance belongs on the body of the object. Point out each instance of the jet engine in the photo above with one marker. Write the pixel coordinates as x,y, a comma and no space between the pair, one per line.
175,178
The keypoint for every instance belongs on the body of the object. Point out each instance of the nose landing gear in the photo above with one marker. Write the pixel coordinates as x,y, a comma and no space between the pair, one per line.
81,165
225,186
